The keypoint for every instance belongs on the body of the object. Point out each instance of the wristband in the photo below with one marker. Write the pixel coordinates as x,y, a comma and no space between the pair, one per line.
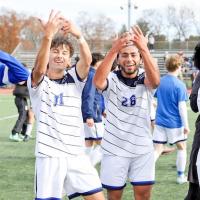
81,39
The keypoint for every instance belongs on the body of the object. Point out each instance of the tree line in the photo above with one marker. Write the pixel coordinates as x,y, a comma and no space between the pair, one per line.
171,24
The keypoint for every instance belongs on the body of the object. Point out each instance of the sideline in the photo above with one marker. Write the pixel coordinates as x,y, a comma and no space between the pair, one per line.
8,117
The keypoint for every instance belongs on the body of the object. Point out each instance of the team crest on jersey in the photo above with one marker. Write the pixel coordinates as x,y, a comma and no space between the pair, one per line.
58,100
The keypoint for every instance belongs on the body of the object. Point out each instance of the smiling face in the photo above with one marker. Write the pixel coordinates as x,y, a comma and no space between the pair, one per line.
129,61
59,58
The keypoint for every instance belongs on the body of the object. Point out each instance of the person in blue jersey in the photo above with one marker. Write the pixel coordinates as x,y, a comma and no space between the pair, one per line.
193,176
93,110
127,142
62,167
11,70
171,124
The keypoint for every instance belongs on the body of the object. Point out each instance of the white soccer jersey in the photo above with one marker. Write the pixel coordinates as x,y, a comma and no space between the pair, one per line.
128,128
57,108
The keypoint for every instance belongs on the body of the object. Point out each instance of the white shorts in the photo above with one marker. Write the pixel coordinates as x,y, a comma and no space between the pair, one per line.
72,176
94,133
162,135
115,170
153,112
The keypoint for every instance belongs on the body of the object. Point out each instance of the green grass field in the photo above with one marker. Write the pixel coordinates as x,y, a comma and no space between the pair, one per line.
17,164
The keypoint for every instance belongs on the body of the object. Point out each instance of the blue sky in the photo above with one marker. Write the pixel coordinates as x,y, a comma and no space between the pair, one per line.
110,8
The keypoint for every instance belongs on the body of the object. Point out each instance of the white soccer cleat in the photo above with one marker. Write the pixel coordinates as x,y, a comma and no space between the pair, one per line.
15,137
181,179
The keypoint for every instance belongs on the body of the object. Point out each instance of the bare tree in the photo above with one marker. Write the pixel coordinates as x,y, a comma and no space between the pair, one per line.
144,25
155,21
32,31
97,29
180,20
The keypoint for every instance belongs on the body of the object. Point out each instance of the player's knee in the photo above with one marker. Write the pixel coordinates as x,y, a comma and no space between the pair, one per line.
142,193
181,145
114,195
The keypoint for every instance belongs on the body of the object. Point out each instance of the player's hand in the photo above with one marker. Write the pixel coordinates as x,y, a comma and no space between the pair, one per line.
138,38
53,25
90,122
69,27
186,131
104,114
119,42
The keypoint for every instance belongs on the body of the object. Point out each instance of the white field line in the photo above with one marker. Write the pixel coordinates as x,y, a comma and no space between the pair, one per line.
8,117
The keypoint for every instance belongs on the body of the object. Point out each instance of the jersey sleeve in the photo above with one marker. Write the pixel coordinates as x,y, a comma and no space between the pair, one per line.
182,93
12,71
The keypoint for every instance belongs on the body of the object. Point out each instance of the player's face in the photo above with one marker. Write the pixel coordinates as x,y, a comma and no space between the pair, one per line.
129,60
59,57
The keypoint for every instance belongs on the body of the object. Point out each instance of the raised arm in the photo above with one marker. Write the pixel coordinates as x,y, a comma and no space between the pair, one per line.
151,69
12,71
106,65
52,26
85,60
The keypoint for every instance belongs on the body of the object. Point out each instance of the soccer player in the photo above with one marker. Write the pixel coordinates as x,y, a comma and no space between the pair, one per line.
171,124
127,142
93,109
193,177
55,91
11,70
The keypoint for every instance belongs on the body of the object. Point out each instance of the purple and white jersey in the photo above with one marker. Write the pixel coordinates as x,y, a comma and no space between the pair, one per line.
128,107
57,108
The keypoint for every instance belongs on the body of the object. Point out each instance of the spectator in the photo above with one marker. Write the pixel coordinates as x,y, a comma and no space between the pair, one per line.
151,42
194,189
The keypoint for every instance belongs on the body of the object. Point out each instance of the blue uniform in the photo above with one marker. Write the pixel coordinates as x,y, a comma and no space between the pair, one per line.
167,113
92,101
11,70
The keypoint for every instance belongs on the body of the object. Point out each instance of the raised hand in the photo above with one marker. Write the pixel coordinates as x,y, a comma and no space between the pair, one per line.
120,42
90,122
53,25
138,38
69,27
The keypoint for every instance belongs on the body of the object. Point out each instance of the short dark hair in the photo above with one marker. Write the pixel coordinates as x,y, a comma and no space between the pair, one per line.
96,57
196,56
60,40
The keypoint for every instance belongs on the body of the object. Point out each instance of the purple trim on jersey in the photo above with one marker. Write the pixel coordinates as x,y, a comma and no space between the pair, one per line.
178,141
142,183
107,85
85,193
49,198
78,77
113,187
159,142
91,138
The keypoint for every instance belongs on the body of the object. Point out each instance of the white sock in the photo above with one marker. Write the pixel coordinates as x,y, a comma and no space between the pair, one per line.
29,129
96,155
156,156
88,150
181,161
